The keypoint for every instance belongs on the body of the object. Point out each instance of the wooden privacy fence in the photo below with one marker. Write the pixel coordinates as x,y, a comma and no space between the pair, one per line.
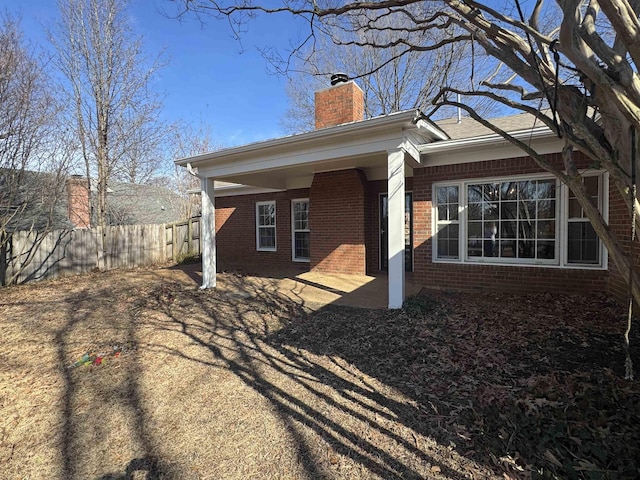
30,256
183,238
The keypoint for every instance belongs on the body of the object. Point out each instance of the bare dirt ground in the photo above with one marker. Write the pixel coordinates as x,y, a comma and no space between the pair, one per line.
207,385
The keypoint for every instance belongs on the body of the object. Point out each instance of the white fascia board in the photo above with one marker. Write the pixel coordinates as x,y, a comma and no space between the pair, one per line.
486,140
355,147
492,151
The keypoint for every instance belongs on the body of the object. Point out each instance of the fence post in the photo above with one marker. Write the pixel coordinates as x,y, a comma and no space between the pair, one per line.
174,237
189,236
4,241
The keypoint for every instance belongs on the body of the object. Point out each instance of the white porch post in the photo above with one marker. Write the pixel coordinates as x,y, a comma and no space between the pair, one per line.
395,185
208,232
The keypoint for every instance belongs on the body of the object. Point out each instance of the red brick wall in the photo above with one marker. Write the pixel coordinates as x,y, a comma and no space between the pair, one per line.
620,223
340,104
236,231
509,278
337,222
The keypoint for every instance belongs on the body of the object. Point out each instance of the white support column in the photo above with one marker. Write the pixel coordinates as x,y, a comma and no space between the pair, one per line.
208,232
395,185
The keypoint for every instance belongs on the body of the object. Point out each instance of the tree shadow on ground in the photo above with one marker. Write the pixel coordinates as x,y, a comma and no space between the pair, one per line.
441,388
100,403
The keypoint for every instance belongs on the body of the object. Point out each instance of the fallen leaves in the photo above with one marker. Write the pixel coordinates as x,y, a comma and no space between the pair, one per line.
531,385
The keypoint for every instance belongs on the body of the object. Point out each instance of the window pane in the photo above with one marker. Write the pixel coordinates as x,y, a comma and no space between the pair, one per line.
583,245
508,229
527,210
575,210
546,189
474,193
547,229
508,248
442,212
509,191
266,214
452,194
591,184
526,230
491,191
526,249
301,245
453,212
474,248
527,190
492,211
546,209
475,230
475,211
267,237
509,210
546,249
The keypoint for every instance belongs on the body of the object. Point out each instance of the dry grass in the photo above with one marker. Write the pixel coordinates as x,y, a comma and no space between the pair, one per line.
219,386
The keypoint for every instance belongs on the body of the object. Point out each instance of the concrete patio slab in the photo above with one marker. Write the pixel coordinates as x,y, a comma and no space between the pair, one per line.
312,290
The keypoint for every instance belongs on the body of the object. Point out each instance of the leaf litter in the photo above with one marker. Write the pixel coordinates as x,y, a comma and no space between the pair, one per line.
454,385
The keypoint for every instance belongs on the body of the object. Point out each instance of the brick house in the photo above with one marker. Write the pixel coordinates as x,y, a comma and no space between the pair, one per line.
450,201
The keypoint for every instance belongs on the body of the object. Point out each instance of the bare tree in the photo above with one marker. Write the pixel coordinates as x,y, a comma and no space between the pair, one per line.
188,141
107,82
33,165
572,65
391,81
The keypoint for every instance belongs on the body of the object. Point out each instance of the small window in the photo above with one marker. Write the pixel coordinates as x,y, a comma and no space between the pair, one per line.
447,222
583,245
300,230
266,226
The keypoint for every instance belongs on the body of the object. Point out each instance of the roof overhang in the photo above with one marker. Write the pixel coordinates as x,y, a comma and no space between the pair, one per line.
489,147
290,162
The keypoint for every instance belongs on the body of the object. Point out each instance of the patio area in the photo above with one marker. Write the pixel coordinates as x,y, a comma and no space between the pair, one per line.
312,290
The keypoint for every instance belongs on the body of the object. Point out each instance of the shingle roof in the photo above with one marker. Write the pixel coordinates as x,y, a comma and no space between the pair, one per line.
127,204
469,128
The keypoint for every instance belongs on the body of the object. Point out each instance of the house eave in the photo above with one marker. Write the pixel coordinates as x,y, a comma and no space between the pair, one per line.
409,119
493,139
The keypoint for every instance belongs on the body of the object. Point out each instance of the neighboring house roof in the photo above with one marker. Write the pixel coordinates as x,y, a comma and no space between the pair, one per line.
42,202
143,204
35,200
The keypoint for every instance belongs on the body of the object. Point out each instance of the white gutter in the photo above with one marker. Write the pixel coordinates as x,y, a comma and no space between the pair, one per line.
491,139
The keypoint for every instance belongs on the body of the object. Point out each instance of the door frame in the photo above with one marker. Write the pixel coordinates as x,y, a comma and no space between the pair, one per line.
381,248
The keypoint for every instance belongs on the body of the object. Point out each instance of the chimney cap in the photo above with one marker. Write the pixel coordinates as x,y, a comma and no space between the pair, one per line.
339,77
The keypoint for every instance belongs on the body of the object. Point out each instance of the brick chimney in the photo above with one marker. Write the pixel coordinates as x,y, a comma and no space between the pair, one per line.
343,102
78,201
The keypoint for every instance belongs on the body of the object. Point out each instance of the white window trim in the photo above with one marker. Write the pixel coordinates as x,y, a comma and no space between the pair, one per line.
293,231
274,226
562,201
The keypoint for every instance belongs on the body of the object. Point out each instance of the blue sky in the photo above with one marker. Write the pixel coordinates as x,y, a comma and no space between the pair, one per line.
208,79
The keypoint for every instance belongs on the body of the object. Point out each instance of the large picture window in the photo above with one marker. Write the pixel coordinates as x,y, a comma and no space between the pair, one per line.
515,221
266,226
300,230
